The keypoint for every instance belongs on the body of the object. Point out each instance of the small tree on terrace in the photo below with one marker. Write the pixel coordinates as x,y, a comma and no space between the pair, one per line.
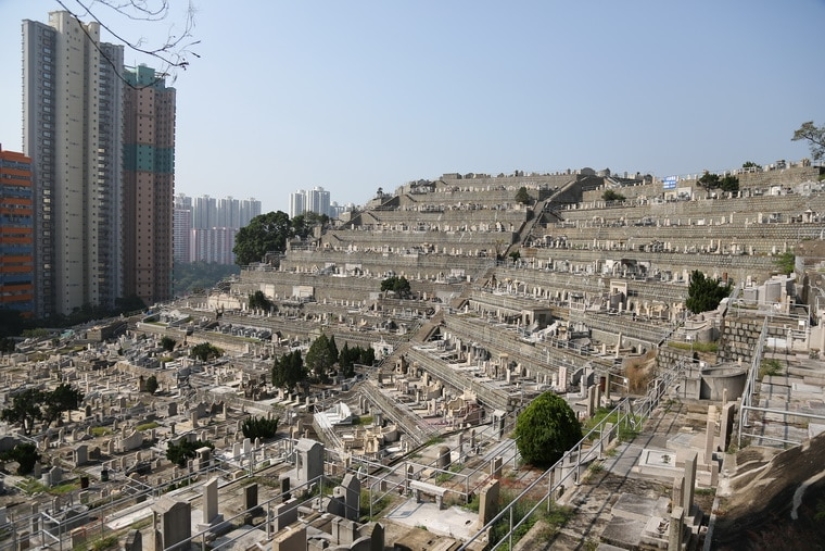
708,181
611,195
205,351
152,384
168,343
399,285
814,135
704,293
320,358
185,450
259,301
546,429
24,409
523,196
288,371
259,427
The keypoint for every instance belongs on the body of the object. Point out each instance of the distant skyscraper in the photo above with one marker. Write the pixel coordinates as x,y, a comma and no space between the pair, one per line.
71,132
183,235
297,203
16,233
149,177
212,227
317,201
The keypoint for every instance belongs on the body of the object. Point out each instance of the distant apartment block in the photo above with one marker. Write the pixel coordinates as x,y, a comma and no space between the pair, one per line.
205,227
315,200
72,132
149,184
16,233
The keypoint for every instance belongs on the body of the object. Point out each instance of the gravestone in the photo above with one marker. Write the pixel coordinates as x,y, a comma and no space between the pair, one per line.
352,496
309,460
488,503
172,522
81,455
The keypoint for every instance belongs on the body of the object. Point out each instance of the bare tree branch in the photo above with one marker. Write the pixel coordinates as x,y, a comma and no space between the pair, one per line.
173,53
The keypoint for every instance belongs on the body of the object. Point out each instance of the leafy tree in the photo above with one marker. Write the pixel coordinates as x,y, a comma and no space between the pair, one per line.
708,181
63,398
152,384
749,164
729,183
704,293
333,349
346,360
168,343
24,409
205,351
185,450
546,429
786,263
815,137
264,233
515,256
259,427
11,323
34,404
191,276
612,195
523,196
25,455
258,300
399,285
132,303
319,357
303,223
288,371
7,345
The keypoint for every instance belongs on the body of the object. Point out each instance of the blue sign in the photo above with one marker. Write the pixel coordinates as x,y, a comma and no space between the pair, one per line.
669,183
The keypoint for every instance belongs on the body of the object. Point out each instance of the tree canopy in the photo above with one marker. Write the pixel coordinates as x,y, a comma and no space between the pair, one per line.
523,196
205,351
611,195
348,357
34,404
546,429
321,357
786,263
24,454
288,371
185,450
814,135
258,301
259,427
264,233
399,285
705,293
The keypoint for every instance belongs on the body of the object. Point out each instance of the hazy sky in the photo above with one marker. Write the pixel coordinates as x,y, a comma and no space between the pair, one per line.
355,95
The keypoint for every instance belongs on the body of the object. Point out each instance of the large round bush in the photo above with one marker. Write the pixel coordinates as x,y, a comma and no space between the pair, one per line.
546,429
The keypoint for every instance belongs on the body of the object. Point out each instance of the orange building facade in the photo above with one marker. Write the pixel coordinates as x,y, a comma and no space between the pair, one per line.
16,233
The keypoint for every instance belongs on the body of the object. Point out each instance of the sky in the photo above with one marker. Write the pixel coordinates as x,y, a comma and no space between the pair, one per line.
352,96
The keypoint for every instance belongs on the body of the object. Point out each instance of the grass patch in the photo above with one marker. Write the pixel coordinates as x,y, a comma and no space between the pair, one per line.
626,430
64,488
101,431
147,426
705,491
555,517
363,420
377,508
31,486
770,367
433,441
99,544
695,346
